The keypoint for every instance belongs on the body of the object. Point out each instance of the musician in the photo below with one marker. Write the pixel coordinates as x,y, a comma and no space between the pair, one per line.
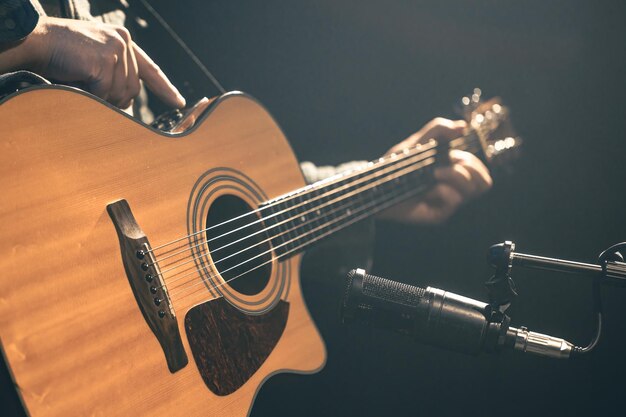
62,41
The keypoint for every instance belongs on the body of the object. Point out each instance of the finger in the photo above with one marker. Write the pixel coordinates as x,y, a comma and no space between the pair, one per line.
101,85
441,129
438,128
435,207
190,119
440,203
458,177
156,80
133,86
479,173
117,95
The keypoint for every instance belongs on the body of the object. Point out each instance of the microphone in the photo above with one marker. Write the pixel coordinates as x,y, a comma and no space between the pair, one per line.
440,318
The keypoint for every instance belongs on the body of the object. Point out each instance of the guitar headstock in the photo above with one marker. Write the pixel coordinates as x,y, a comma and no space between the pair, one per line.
490,122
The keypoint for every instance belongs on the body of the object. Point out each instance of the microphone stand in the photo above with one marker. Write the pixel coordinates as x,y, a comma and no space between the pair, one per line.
610,270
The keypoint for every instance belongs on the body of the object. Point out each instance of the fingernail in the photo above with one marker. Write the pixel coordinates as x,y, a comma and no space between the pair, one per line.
181,99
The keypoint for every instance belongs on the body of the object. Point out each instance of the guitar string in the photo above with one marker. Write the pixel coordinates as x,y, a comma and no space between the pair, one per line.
298,226
469,138
183,286
369,175
316,238
187,259
216,286
363,215
173,278
365,178
304,191
287,220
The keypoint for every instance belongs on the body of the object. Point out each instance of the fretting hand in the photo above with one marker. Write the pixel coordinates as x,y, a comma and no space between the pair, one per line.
464,178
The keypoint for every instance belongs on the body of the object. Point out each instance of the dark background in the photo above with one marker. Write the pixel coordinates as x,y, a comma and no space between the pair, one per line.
346,80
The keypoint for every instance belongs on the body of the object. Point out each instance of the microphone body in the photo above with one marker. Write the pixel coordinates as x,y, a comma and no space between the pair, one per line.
440,318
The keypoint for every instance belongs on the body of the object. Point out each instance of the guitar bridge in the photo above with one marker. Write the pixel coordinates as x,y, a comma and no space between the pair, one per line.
147,284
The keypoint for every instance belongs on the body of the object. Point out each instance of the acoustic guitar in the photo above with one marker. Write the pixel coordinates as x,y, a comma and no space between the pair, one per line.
144,272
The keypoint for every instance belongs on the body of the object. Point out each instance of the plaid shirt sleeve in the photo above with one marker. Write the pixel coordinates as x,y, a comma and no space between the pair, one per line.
313,173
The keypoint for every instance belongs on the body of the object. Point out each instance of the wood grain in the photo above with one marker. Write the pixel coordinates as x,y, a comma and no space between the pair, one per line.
74,338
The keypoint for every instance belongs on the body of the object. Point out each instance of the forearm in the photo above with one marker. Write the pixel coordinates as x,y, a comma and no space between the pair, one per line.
14,56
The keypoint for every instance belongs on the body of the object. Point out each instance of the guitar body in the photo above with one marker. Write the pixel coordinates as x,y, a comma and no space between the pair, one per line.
72,332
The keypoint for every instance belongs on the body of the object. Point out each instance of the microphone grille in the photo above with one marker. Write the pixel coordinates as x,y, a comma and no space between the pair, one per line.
395,292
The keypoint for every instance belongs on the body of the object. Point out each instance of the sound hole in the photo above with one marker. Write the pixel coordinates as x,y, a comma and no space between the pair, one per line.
237,246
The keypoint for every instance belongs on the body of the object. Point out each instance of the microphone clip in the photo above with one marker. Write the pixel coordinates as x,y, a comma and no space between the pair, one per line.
501,287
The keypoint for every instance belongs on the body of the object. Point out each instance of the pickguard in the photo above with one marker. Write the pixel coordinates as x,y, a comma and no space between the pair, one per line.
228,345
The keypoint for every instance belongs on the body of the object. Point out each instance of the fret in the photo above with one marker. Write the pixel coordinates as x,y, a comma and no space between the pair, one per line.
302,208
289,223
300,217
271,223
316,213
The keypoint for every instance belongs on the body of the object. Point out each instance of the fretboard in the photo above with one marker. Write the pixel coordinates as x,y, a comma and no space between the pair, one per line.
296,220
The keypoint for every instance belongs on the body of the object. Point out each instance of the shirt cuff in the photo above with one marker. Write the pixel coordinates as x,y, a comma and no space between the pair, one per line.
313,173
18,18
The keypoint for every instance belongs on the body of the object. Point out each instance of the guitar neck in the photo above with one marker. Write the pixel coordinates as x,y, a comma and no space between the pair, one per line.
301,218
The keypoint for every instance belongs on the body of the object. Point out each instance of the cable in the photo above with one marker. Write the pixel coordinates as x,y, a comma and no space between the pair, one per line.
610,254
183,45
597,307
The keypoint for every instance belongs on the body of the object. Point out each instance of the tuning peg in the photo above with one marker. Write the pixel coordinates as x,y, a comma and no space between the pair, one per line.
468,104
476,95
